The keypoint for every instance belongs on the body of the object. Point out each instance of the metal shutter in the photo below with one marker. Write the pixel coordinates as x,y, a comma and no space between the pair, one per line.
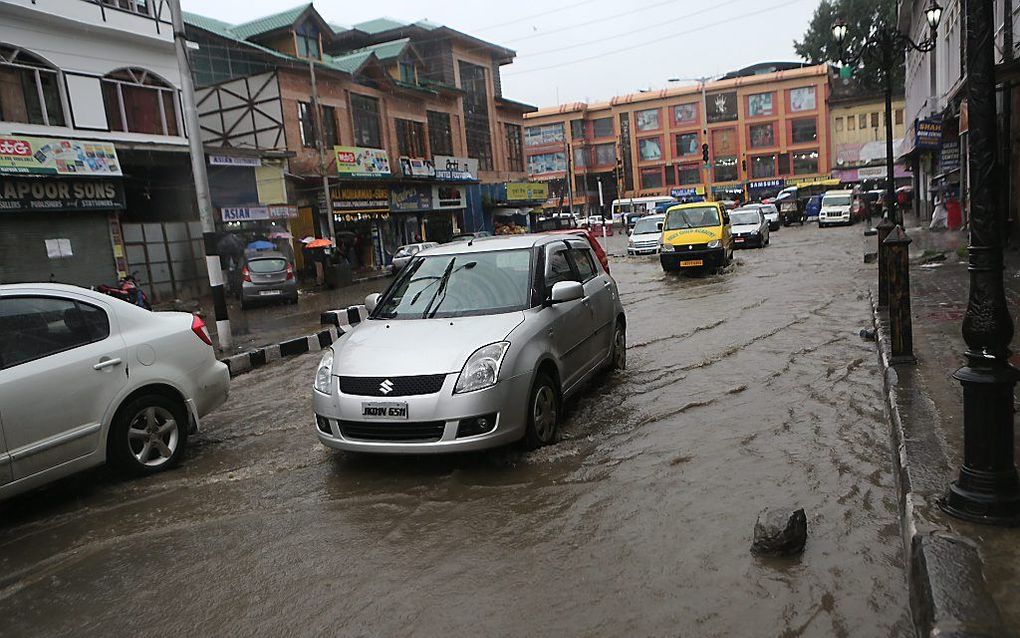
23,250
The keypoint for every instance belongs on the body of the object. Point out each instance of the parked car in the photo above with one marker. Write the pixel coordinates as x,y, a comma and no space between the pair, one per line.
644,239
267,276
404,253
469,236
472,347
769,211
87,379
696,236
750,228
592,221
835,208
593,241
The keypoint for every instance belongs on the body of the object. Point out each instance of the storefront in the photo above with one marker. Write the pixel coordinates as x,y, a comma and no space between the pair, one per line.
512,206
734,192
361,219
764,189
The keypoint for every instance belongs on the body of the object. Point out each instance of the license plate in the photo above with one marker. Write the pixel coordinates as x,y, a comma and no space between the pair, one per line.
691,262
739,240
388,410
269,293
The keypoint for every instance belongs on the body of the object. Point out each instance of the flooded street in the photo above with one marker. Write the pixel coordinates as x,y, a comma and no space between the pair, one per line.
743,389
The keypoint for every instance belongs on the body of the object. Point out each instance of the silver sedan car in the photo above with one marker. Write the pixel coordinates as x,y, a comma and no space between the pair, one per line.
404,254
475,344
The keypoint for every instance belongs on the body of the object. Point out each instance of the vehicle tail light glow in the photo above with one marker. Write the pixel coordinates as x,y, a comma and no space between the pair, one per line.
198,327
290,272
245,274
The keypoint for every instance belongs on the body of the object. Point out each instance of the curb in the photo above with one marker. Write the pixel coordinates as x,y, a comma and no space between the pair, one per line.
253,359
948,595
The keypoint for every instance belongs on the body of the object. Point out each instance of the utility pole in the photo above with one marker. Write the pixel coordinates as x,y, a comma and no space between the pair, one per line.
570,177
704,140
212,258
321,144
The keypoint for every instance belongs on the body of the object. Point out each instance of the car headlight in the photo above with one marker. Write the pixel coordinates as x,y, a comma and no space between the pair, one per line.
666,248
324,373
482,368
715,243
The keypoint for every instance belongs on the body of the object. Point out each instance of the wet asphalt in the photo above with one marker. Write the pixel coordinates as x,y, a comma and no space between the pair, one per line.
743,389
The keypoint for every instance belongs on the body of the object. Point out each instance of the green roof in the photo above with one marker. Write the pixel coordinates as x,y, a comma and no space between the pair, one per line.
269,23
379,25
349,63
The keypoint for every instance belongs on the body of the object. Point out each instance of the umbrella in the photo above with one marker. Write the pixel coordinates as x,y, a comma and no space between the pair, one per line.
280,234
307,240
261,245
319,243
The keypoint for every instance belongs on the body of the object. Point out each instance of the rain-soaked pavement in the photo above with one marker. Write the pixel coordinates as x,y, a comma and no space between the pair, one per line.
743,389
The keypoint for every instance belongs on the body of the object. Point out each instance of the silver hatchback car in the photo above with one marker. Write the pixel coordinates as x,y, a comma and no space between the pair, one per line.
476,344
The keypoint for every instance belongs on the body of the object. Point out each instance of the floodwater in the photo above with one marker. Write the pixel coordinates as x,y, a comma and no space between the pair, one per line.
744,389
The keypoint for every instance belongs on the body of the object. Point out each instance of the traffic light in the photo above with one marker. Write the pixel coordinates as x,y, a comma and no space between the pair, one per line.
704,152
743,165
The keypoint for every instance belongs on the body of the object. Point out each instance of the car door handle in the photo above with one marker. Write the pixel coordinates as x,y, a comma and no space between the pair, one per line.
106,363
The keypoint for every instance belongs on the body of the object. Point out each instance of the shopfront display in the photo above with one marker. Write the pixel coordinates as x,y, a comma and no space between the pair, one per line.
361,218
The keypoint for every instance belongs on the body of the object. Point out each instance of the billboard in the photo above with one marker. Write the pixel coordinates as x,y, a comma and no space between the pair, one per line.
355,161
44,156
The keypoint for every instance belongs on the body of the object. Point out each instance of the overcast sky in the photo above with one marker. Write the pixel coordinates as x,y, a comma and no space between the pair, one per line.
570,50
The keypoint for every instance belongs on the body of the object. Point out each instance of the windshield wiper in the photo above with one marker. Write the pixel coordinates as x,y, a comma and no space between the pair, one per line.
414,299
442,286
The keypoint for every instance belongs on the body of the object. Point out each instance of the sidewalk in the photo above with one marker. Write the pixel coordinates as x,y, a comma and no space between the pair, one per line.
963,577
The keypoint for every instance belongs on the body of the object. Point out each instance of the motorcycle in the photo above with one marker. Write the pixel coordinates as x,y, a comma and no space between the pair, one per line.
127,289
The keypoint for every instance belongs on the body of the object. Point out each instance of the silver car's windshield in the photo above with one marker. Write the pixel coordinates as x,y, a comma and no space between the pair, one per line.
740,217
464,285
648,226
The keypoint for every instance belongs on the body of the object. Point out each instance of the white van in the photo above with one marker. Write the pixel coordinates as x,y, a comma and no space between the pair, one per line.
835,208
644,239
630,209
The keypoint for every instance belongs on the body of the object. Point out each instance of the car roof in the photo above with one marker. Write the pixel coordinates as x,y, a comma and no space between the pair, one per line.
488,244
693,205
838,192
53,288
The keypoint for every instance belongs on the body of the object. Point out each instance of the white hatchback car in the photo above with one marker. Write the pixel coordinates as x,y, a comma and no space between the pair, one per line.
86,378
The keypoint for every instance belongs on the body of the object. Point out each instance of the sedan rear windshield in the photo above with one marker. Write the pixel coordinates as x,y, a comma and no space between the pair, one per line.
739,217
267,265
469,284
699,217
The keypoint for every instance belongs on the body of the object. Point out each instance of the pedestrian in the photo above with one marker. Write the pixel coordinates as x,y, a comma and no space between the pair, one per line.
939,216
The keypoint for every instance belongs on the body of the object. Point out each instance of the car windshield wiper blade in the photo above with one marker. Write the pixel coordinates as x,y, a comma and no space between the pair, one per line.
414,299
441,295
442,286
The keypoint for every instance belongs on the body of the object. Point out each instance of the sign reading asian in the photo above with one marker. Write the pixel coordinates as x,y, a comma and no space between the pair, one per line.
527,191
43,156
356,161
34,194
254,213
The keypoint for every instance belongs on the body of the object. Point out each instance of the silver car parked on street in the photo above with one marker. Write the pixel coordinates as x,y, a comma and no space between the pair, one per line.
475,344
268,276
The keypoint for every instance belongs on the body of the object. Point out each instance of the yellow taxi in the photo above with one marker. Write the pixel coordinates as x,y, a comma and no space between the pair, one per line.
696,235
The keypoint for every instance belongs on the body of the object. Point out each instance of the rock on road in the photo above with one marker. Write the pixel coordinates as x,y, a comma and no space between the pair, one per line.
743,389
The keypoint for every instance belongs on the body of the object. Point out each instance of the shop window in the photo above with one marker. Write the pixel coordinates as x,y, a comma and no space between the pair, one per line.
726,169
689,174
851,123
724,142
547,163
440,133
577,129
580,158
899,117
803,131
839,125
307,40
670,175
365,113
763,166
139,102
29,89
603,127
784,163
874,120
141,7
647,120
685,113
476,114
544,134
762,135
687,144
760,104
803,99
805,163
605,154
515,149
862,121
651,177
410,138
650,149
306,124
329,136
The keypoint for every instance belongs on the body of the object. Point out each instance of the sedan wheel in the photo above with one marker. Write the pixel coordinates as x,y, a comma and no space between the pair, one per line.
147,435
619,355
543,413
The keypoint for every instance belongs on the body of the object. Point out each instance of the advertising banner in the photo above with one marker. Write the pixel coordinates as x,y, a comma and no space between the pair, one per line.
766,183
355,198
949,158
928,133
527,191
33,194
417,167
411,198
355,161
721,107
679,192
456,168
449,197
43,156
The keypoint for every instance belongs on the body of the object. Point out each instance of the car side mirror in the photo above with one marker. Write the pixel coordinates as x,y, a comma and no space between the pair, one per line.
658,227
371,301
565,291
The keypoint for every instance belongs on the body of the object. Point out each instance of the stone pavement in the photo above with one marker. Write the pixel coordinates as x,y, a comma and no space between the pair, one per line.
965,578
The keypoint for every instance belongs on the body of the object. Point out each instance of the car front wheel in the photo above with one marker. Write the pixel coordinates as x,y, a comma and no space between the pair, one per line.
618,355
543,413
147,435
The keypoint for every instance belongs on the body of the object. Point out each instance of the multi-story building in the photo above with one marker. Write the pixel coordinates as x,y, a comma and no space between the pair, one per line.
763,130
857,125
410,118
94,171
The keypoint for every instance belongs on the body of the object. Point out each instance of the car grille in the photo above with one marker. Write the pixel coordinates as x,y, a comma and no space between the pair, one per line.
398,386
683,247
422,431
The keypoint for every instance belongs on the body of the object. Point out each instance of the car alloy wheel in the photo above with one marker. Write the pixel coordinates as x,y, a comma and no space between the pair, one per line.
148,434
153,436
543,416
619,360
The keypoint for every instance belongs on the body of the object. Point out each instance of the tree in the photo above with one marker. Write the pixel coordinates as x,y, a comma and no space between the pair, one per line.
863,18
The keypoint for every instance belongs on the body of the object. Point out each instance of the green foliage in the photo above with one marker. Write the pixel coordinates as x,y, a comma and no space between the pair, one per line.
862,17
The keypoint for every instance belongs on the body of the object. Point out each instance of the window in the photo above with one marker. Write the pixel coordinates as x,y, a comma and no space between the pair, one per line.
557,269
647,120
547,163
605,154
874,120
760,104
763,166
408,73
839,125
899,116
29,90
440,133
134,6
306,124
307,36
365,113
762,135
805,162
802,131
726,169
724,142
35,327
803,99
329,137
670,175
603,127
784,163
580,158
687,144
139,102
685,113
862,121
514,147
650,149
577,129
476,114
585,264
410,138
544,134
851,123
651,177
689,174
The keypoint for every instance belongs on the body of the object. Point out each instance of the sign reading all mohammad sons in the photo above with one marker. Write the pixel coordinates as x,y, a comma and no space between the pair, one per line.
44,156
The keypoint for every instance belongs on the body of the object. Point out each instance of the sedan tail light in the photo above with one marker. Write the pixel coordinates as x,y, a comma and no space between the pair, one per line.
198,327
290,272
245,274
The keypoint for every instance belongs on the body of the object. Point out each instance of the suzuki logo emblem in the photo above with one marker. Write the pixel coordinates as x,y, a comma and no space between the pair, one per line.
386,386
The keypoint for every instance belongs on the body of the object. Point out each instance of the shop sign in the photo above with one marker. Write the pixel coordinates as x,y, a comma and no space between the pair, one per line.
417,167
256,213
356,161
677,193
871,172
727,190
456,168
43,156
362,216
230,160
410,198
60,194
766,183
817,181
354,198
949,158
928,133
526,191
721,107
449,197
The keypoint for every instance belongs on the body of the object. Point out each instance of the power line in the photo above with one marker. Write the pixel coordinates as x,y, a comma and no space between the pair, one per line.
536,15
